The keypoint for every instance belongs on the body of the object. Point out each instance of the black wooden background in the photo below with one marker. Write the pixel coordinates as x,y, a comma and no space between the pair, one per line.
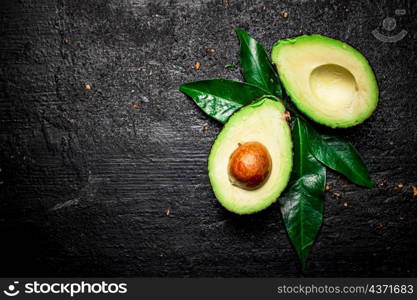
103,160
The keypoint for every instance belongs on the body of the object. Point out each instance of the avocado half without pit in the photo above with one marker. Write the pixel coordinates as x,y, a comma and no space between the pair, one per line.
328,80
251,159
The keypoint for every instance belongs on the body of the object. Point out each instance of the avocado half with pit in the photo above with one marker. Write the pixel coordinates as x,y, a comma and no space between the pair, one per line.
251,159
328,80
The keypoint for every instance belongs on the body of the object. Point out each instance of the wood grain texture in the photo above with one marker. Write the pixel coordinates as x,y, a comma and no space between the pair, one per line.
112,181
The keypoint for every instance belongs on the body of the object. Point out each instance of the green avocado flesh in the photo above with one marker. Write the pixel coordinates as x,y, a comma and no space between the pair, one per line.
263,122
328,80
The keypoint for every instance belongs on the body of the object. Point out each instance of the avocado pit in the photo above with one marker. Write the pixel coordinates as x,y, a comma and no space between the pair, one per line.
249,166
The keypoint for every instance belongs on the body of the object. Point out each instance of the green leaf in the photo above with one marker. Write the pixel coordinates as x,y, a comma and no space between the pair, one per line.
256,66
340,156
303,202
220,98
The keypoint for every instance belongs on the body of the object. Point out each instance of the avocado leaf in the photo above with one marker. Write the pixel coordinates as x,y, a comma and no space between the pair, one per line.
302,204
256,66
220,98
340,156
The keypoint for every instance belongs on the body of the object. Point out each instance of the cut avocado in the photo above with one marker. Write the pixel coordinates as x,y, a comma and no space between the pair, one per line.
251,160
328,80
